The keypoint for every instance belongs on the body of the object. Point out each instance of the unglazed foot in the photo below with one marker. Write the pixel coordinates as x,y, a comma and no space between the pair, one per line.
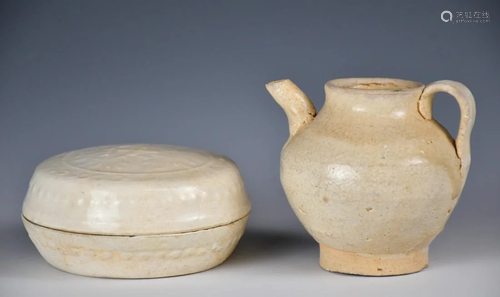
372,264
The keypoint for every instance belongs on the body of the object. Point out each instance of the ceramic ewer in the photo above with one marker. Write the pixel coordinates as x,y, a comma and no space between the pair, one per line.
373,177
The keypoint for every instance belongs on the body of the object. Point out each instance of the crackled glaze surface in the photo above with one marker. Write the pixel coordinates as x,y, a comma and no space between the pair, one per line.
136,189
372,177
146,256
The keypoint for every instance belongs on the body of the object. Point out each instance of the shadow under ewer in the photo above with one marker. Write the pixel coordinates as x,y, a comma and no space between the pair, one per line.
457,246
257,246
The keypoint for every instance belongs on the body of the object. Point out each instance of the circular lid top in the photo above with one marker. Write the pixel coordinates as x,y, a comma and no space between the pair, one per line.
136,189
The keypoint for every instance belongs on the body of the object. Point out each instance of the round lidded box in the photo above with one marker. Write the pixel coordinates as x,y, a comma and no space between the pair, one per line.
136,211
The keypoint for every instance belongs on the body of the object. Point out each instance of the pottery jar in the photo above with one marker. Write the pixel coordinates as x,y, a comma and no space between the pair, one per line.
373,177
136,211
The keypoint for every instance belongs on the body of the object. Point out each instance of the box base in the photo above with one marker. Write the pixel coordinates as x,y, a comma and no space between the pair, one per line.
141,256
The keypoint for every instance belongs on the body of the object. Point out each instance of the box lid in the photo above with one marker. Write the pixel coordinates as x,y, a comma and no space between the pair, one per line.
136,189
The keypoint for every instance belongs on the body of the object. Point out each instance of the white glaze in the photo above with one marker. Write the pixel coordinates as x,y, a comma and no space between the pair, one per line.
136,189
136,211
143,256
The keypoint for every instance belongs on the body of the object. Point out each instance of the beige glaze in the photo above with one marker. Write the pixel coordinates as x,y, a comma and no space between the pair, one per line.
172,210
143,256
372,177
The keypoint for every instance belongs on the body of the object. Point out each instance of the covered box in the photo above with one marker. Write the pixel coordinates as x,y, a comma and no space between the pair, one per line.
136,211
